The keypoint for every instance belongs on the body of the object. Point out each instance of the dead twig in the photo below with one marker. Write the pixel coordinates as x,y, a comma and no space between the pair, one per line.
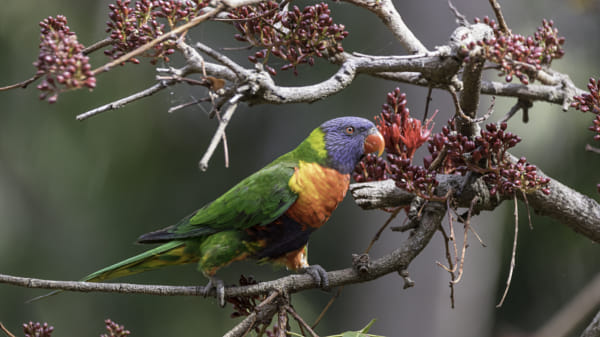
244,327
219,134
590,148
126,100
467,224
451,267
22,84
327,306
300,321
528,211
5,330
100,44
427,101
522,104
498,12
514,252
378,234
185,105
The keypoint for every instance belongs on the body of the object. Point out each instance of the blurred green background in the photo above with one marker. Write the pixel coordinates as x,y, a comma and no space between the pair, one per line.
74,196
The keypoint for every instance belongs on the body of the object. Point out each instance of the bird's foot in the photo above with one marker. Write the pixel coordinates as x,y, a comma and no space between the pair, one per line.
219,287
319,274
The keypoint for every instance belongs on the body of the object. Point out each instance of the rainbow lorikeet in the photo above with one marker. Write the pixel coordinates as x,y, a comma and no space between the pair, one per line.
269,215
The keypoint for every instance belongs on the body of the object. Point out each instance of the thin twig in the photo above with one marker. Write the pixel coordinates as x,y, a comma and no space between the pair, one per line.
224,139
467,224
528,210
233,103
100,44
427,101
457,109
439,159
5,330
245,326
22,84
590,148
523,104
477,236
514,253
378,234
224,60
327,306
461,19
185,105
451,267
498,11
488,114
126,100
300,320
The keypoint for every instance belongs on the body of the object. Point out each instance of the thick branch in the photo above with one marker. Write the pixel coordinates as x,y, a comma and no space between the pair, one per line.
563,204
568,207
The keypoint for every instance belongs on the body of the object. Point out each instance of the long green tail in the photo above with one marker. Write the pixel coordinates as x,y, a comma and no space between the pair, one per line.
168,254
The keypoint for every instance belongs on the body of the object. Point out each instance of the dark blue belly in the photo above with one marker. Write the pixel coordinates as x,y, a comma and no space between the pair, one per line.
282,236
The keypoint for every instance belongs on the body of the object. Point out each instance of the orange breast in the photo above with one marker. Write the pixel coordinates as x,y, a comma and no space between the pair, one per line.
319,191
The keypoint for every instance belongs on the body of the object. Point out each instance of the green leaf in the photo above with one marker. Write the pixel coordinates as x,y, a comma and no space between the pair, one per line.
362,333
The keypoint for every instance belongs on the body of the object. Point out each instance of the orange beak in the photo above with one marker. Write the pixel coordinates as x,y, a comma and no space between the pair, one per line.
374,143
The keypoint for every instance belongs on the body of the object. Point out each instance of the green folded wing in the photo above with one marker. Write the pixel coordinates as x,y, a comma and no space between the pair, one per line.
257,200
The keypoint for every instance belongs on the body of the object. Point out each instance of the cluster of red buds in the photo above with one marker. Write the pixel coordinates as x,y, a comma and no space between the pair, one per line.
37,329
590,103
416,179
521,56
132,27
114,329
296,36
508,177
452,153
403,135
486,155
371,168
61,62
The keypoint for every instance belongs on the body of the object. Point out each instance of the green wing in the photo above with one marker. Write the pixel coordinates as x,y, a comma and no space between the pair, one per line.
257,200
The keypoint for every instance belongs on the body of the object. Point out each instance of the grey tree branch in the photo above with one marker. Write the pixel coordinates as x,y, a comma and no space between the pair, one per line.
593,329
396,261
569,207
387,12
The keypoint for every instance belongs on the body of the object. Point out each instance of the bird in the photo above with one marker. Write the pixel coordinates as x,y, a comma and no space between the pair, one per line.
268,216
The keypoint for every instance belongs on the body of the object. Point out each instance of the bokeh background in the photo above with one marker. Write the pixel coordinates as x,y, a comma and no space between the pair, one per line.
74,196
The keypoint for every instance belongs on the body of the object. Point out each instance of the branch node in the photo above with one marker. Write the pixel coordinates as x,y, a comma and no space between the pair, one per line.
408,282
360,263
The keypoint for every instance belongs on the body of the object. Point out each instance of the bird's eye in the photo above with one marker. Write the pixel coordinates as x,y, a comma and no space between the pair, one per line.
349,130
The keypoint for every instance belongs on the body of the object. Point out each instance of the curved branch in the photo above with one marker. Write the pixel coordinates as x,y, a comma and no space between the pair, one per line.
386,11
397,260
